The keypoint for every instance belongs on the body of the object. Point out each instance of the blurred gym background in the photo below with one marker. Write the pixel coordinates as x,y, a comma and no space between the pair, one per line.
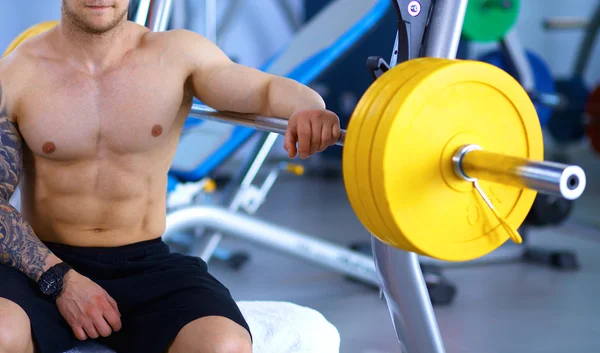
541,300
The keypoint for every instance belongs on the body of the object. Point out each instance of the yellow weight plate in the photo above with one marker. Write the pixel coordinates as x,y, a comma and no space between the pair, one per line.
387,217
374,113
395,232
349,160
430,117
29,33
349,153
388,86
395,236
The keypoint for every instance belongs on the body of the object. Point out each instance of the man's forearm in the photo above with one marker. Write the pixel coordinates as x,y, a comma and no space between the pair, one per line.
20,247
286,96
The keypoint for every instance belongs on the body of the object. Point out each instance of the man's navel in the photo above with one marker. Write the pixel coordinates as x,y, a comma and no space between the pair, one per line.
49,147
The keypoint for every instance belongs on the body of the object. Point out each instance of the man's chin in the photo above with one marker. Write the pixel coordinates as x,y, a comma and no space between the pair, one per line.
98,28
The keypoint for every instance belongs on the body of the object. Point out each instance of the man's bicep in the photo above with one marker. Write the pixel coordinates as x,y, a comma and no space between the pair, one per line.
11,144
234,88
222,84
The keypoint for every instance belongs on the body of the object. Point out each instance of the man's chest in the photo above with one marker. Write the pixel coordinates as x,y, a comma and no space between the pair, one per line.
66,115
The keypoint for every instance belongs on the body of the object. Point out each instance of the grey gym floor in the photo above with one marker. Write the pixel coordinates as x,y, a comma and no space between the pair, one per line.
501,308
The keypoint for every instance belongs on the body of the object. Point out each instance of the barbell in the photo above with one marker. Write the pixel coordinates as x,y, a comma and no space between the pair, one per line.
441,157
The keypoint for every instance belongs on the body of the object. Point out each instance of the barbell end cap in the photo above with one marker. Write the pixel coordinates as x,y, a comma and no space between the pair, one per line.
572,182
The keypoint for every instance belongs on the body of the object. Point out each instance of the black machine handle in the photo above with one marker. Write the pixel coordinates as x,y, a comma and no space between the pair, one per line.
413,18
377,66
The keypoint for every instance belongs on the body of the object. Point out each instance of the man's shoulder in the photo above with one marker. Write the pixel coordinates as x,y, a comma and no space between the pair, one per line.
178,40
20,66
25,56
180,46
12,67
172,38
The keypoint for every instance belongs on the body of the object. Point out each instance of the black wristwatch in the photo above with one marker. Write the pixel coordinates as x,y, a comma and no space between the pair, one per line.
51,281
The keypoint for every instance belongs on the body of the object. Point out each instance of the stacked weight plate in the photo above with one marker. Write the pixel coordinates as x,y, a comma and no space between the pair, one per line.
398,160
358,146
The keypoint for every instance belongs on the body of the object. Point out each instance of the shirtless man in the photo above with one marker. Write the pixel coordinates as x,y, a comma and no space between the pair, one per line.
90,117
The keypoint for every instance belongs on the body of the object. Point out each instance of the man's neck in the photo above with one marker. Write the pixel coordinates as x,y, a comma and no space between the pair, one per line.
95,52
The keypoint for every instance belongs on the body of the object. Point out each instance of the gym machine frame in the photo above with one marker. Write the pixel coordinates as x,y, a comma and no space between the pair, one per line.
426,28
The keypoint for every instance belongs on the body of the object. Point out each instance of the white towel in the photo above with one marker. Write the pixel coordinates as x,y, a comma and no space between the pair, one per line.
277,327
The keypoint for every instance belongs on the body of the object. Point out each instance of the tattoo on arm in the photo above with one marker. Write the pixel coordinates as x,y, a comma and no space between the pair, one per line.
19,246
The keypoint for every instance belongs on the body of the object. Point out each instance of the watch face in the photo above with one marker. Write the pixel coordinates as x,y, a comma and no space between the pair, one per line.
50,284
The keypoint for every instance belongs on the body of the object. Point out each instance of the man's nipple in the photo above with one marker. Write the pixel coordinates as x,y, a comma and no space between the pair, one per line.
49,147
157,130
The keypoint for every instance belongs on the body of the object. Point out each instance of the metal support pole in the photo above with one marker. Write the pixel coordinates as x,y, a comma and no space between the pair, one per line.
587,45
303,246
209,245
210,16
141,16
512,44
445,28
403,284
162,15
407,299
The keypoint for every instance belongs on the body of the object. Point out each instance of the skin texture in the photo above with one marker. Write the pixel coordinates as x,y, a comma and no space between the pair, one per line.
90,117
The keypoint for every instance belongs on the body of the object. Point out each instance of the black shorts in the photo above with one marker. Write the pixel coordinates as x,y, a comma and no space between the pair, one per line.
158,293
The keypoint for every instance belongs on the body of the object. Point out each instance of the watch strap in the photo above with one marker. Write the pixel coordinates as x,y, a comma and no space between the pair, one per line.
60,269
57,272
